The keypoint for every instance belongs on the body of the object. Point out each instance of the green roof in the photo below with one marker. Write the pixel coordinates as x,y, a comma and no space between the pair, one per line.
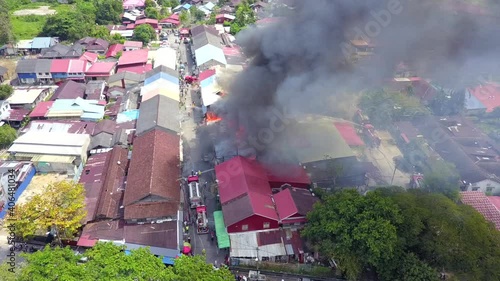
220,230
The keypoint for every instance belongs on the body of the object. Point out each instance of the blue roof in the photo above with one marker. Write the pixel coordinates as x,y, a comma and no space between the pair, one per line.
161,75
187,6
209,52
128,115
207,82
42,42
471,102
91,110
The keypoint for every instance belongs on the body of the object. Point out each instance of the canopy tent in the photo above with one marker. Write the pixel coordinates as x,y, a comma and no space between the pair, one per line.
220,230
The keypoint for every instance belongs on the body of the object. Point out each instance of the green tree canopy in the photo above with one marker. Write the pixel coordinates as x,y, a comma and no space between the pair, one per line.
244,16
100,31
6,35
169,3
355,230
108,11
441,176
70,25
152,13
144,33
7,135
5,91
108,262
197,14
60,206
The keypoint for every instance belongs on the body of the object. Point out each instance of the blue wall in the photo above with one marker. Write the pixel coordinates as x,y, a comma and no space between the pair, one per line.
26,75
59,75
19,191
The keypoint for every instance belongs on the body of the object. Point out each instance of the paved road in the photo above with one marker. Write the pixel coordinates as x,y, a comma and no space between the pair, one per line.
192,118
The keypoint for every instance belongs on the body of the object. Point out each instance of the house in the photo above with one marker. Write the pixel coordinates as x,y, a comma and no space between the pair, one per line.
52,152
15,176
90,58
102,137
153,192
42,68
161,81
293,204
473,153
4,109
152,22
166,57
92,178
134,61
94,90
60,51
246,190
69,90
158,113
210,89
207,47
26,71
59,126
94,45
85,110
488,96
488,206
59,70
181,8
28,98
114,50
41,110
115,91
125,79
133,4
222,18
361,48
123,32
132,45
40,44
260,7
3,74
172,21
77,69
100,71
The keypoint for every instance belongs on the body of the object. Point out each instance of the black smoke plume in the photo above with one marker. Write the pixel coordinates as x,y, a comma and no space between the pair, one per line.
300,63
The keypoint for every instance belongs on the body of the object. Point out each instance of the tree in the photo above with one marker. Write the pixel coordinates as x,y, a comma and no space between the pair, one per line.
8,273
117,39
355,230
244,16
108,262
100,31
7,135
88,9
61,207
70,25
5,91
184,17
108,11
6,35
211,20
144,33
441,176
149,4
196,14
152,13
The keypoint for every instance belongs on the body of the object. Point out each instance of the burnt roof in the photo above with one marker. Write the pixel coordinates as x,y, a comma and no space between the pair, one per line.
303,200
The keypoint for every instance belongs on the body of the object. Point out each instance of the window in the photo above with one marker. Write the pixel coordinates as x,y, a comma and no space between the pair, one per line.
244,227
267,225
489,189
46,73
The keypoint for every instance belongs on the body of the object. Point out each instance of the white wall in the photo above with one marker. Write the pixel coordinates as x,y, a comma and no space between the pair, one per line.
486,186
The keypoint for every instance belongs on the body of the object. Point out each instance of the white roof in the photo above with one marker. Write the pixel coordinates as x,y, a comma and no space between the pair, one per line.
24,44
54,139
51,144
167,57
160,83
129,16
124,33
209,94
209,52
244,244
25,96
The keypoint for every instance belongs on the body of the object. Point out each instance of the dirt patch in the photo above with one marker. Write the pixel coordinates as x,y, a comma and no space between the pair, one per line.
10,64
41,11
38,185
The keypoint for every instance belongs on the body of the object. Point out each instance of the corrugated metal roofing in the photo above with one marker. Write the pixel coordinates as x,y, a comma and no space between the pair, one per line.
166,57
208,53
158,111
46,149
26,66
164,76
244,244
56,139
53,159
43,65
172,94
42,42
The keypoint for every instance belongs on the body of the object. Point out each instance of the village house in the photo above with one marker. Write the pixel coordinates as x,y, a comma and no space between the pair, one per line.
132,45
100,71
39,44
171,22
152,22
4,109
114,50
134,61
3,74
207,47
69,90
158,113
125,79
28,98
222,18
60,51
79,109
94,45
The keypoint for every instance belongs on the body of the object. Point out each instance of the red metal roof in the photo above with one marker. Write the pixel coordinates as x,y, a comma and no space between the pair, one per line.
483,205
495,200
488,95
137,44
143,21
139,69
285,204
232,51
113,50
41,109
101,69
130,26
133,57
59,66
172,21
206,74
77,66
239,176
349,134
295,176
89,57
294,201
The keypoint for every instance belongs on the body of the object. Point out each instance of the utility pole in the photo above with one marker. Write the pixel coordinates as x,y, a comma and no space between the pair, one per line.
257,260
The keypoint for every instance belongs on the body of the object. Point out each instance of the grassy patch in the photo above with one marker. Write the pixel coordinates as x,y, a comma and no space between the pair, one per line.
27,27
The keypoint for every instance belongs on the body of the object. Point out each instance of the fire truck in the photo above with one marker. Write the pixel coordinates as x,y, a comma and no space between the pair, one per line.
194,191
201,220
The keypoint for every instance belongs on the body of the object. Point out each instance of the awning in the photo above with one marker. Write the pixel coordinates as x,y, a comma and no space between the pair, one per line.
220,230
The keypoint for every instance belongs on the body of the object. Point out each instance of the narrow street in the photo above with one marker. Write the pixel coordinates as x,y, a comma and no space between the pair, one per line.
191,110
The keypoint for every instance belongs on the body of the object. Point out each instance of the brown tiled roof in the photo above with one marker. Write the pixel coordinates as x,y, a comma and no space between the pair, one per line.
151,210
154,171
483,205
163,235
112,190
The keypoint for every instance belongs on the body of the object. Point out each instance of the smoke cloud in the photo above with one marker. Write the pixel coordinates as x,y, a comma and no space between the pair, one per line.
299,64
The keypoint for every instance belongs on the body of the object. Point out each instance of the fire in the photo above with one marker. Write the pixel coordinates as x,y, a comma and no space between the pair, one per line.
212,118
